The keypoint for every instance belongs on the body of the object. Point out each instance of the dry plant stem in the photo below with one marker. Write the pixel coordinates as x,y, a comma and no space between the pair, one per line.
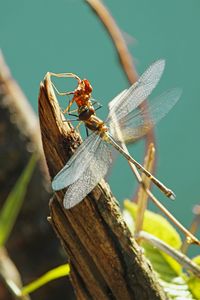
143,180
121,47
142,197
193,228
10,281
117,37
190,237
177,255
105,261
12,289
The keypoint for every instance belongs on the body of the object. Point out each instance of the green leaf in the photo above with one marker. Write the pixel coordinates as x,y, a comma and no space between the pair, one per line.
161,228
174,286
160,264
194,282
12,206
196,260
58,272
156,225
177,289
165,267
194,285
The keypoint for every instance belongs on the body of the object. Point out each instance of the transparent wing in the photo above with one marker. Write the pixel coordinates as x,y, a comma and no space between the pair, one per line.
95,171
77,163
129,99
112,103
137,123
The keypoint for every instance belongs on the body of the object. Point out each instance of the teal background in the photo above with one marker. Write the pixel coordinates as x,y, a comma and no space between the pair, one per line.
66,36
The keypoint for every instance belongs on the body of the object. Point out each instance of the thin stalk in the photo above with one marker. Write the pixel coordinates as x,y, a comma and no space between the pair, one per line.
190,237
125,57
193,227
177,255
142,197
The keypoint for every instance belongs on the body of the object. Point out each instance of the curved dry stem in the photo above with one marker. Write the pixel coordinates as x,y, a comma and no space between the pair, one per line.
122,50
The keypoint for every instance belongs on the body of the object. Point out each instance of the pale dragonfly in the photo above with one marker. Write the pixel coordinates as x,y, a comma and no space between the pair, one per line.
90,163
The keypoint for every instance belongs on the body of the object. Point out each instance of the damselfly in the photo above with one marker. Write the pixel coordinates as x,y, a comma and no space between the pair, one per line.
91,161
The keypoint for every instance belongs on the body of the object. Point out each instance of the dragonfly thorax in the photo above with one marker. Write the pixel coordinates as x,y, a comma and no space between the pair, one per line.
85,112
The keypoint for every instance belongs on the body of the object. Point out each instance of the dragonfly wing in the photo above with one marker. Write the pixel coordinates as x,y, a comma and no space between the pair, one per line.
137,123
113,102
131,98
77,163
95,171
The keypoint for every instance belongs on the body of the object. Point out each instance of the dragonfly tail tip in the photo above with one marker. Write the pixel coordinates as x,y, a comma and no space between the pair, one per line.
172,196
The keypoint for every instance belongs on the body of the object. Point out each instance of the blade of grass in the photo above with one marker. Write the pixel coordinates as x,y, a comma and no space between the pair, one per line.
13,203
58,272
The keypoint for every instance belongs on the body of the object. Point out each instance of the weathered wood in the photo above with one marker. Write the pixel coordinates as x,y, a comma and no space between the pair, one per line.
106,262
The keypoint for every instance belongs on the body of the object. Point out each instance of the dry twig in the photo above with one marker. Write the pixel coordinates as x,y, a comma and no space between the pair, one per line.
122,50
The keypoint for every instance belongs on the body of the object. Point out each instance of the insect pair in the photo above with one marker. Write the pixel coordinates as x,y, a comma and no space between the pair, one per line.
91,161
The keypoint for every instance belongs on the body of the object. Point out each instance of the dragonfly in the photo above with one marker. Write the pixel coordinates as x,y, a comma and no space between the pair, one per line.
91,161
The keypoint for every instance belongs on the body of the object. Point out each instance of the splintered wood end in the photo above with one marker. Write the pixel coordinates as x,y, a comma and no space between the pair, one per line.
58,136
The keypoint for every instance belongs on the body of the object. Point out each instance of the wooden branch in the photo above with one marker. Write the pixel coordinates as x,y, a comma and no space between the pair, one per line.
106,262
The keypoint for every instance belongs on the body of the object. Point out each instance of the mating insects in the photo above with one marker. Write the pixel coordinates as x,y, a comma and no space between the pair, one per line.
91,161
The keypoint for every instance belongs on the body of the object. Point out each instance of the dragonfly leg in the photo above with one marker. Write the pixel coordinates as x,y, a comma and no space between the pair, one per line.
71,113
87,131
61,93
100,106
78,125
67,110
65,75
72,120
95,102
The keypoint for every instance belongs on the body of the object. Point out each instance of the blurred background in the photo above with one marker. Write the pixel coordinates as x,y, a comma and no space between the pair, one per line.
66,36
